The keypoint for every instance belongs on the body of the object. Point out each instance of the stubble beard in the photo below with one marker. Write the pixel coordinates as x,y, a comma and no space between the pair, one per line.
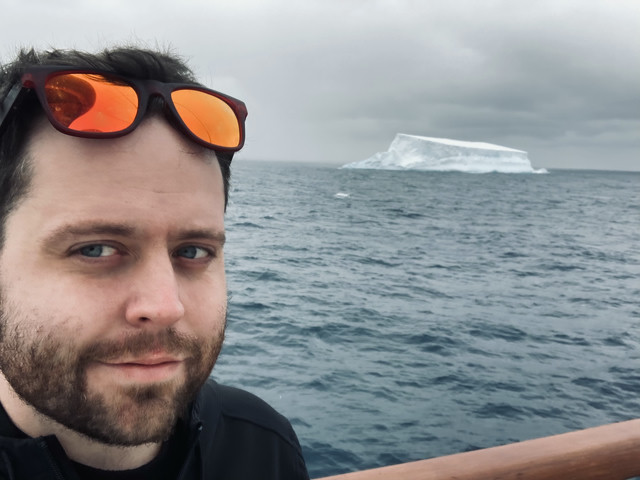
50,373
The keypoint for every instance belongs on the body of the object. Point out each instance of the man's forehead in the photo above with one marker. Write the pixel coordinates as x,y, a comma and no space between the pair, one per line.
150,175
153,144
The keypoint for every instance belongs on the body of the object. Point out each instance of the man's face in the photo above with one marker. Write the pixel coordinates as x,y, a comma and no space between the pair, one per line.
112,285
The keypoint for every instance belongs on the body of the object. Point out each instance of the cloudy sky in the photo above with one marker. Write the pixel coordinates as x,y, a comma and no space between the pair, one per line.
334,80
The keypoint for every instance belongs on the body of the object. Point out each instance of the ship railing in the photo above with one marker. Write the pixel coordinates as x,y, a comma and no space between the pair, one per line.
608,452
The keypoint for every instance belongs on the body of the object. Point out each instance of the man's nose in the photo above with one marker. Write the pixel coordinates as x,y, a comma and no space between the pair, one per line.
154,298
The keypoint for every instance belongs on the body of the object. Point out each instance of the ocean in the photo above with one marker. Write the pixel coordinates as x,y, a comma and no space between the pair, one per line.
401,315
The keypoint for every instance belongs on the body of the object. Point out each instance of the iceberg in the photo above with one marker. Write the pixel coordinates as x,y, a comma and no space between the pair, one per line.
413,152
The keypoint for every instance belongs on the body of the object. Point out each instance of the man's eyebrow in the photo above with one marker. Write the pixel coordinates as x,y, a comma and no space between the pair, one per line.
203,233
67,231
90,228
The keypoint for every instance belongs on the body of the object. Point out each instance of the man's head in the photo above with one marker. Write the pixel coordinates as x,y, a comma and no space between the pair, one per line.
134,64
112,284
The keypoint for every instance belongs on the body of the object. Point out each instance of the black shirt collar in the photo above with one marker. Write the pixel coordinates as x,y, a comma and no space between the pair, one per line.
7,427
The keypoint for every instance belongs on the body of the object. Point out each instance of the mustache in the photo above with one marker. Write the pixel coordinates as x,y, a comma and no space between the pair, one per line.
167,341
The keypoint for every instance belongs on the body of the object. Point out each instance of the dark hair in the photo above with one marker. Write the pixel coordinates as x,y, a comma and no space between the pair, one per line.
15,167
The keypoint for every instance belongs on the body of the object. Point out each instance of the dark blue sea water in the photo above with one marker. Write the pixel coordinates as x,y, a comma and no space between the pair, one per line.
396,316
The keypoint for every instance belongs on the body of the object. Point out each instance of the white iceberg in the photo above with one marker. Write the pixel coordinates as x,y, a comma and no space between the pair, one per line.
413,152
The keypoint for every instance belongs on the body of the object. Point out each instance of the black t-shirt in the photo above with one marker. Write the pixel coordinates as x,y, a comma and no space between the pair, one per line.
166,465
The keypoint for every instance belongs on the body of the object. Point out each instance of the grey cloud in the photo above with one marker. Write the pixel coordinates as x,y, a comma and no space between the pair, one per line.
335,79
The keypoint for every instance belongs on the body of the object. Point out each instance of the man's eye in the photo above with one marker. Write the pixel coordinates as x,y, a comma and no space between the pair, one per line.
192,252
97,250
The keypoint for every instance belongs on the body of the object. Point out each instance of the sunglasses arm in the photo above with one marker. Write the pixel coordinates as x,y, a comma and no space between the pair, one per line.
10,103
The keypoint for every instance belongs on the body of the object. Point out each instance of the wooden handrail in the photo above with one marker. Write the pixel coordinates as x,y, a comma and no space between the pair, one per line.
609,452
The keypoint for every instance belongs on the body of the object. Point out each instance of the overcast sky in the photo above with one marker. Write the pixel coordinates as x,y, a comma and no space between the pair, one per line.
335,80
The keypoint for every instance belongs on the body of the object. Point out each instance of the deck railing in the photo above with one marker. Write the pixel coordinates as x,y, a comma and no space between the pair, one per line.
609,452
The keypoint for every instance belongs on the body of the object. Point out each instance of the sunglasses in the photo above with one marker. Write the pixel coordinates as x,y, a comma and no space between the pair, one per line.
93,104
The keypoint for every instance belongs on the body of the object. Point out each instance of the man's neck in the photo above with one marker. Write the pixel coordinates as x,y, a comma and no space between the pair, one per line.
78,447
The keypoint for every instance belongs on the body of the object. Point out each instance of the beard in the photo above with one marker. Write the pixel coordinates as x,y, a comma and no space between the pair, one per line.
49,372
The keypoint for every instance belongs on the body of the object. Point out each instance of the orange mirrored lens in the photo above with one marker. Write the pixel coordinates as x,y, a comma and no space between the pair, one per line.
208,117
91,103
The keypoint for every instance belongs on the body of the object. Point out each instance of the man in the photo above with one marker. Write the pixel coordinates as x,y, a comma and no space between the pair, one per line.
114,174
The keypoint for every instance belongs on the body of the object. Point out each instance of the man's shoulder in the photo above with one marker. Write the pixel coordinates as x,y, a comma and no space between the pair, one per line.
244,437
238,405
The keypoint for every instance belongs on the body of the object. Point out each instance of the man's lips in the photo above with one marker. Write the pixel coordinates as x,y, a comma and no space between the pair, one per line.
149,360
145,369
